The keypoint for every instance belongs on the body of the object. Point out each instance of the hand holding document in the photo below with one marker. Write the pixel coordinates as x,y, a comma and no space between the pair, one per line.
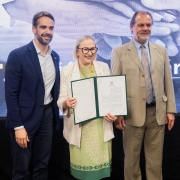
99,95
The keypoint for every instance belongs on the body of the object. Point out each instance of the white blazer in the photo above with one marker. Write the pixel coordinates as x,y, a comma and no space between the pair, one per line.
71,132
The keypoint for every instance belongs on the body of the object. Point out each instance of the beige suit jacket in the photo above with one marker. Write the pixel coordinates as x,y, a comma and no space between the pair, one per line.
125,60
71,132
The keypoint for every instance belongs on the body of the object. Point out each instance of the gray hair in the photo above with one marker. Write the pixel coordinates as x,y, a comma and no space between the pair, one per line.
78,42
39,15
133,19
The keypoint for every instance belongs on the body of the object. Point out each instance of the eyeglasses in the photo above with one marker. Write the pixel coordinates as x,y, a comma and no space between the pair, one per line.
85,50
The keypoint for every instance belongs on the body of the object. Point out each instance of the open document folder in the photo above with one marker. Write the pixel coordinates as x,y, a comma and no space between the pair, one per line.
96,96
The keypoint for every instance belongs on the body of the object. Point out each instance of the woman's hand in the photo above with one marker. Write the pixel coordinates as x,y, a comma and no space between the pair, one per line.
110,117
69,103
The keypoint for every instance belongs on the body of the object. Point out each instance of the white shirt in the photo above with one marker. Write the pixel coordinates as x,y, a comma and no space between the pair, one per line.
48,72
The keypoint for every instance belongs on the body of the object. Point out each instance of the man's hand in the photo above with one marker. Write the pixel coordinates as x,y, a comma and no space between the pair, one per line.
170,120
21,137
120,123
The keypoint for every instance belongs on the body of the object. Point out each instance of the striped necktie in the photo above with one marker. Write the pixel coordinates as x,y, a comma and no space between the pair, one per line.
147,75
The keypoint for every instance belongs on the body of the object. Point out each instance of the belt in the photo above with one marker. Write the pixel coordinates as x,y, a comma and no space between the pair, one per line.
46,106
151,104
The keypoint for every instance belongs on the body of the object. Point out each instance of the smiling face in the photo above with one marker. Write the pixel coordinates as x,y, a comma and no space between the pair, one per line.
44,30
88,58
142,28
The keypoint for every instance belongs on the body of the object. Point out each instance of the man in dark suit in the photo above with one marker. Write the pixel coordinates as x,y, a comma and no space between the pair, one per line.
31,91
151,101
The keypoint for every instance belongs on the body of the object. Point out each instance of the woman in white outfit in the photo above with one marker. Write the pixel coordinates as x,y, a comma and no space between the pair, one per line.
90,141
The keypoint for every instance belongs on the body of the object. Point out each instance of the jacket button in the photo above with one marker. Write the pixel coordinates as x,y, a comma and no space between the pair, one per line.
144,99
143,75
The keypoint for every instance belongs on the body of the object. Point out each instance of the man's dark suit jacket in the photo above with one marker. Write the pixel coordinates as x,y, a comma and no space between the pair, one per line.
24,89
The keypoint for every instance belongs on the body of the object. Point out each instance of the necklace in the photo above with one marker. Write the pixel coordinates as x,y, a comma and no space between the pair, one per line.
92,72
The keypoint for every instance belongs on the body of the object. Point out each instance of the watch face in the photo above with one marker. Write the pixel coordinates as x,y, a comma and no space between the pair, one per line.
107,21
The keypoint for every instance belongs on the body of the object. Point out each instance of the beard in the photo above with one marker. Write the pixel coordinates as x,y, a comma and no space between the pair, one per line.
143,39
43,41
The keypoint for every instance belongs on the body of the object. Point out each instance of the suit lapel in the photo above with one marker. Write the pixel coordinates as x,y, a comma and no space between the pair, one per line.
98,69
35,60
56,63
134,54
153,54
75,72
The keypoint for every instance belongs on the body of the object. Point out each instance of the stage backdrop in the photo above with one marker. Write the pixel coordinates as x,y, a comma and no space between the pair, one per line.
107,21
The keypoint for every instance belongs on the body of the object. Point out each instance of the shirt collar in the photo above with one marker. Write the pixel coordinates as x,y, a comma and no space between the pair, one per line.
38,50
138,46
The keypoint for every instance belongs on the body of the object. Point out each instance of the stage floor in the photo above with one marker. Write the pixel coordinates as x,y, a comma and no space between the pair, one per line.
59,162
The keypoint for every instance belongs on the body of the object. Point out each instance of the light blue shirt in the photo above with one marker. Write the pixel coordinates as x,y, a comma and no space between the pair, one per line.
139,49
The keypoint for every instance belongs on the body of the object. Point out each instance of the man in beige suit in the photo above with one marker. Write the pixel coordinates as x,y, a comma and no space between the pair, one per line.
151,102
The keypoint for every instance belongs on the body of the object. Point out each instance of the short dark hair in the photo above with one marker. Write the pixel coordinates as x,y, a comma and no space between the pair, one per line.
133,20
39,15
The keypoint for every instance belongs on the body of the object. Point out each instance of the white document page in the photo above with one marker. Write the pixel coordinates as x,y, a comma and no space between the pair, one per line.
83,91
112,95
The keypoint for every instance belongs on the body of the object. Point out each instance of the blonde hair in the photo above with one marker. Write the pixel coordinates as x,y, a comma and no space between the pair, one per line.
78,42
